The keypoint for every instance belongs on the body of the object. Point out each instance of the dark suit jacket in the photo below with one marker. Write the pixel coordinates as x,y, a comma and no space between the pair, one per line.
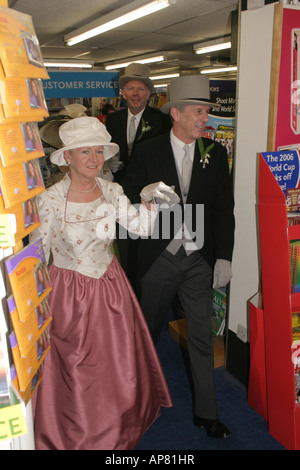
153,161
116,125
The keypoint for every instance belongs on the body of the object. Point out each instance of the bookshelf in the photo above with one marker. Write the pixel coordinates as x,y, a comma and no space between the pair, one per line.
157,99
282,410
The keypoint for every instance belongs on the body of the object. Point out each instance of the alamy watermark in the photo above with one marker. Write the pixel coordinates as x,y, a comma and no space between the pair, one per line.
166,223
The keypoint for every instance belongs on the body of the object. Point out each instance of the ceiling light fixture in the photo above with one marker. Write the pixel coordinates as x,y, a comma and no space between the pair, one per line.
113,20
219,70
68,65
211,46
162,77
149,60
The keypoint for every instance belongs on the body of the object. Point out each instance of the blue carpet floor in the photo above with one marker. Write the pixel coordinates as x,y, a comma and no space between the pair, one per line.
174,430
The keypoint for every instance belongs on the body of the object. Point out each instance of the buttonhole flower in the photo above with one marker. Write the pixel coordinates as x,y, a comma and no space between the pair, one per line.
145,128
205,156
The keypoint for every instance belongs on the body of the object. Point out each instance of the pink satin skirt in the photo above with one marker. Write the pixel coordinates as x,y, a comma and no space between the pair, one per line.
103,385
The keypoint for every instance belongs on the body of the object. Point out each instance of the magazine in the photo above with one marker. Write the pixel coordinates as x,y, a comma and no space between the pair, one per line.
25,395
21,182
296,363
219,311
4,384
19,142
19,47
29,278
27,332
22,100
27,219
27,367
295,266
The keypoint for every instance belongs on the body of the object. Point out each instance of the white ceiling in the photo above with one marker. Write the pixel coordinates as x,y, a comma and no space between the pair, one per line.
173,30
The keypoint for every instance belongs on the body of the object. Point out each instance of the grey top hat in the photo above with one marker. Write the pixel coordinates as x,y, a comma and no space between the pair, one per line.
190,89
139,72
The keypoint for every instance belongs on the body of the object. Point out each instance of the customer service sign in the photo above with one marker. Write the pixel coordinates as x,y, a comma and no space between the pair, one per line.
81,84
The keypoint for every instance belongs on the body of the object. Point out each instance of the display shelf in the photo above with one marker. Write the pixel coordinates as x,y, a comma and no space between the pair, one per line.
278,304
293,232
295,302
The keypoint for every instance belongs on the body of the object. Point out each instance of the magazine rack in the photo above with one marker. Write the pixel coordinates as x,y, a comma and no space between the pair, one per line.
278,306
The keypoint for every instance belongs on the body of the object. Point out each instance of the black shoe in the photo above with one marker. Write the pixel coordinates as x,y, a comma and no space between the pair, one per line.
213,427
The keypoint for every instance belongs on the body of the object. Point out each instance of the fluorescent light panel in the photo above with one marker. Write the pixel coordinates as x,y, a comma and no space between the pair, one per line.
211,46
68,65
219,70
162,77
149,60
82,34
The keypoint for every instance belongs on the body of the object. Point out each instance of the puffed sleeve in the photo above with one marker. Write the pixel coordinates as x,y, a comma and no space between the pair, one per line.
45,230
136,219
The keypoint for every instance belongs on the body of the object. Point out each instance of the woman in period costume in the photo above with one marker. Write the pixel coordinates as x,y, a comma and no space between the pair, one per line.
103,385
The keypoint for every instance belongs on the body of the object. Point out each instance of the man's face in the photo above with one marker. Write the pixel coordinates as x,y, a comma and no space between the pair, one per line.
189,123
136,94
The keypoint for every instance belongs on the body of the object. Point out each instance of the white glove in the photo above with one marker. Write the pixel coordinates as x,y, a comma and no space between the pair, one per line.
114,163
159,190
222,273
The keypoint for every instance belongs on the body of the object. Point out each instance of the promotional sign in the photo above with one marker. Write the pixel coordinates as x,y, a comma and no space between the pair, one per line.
12,422
284,125
81,84
285,168
222,92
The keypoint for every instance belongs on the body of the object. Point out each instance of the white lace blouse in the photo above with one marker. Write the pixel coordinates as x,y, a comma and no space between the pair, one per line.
80,235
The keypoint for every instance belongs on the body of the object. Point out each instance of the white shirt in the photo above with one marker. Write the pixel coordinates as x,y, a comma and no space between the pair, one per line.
178,151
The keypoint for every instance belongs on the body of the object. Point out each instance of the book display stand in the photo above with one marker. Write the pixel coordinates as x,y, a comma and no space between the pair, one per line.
24,279
278,399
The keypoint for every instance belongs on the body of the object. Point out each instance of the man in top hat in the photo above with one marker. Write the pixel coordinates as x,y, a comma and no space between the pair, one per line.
138,121
128,127
191,251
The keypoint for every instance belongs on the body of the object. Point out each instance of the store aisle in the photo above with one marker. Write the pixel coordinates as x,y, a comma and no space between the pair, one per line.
175,429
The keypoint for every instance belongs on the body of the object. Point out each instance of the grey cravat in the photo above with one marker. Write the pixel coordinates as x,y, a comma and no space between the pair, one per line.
131,133
186,168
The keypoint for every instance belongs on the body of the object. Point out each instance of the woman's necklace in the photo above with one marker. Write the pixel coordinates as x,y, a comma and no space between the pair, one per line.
88,191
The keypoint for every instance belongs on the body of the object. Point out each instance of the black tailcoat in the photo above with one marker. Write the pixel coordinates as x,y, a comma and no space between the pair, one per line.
155,122
153,161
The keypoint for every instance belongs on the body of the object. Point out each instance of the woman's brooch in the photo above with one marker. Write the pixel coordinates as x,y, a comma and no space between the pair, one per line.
205,156
145,128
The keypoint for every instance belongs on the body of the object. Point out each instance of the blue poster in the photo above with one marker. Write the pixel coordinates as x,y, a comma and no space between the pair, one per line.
285,167
222,92
81,84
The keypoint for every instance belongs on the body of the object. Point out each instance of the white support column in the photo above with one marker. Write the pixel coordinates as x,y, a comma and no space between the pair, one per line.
253,89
